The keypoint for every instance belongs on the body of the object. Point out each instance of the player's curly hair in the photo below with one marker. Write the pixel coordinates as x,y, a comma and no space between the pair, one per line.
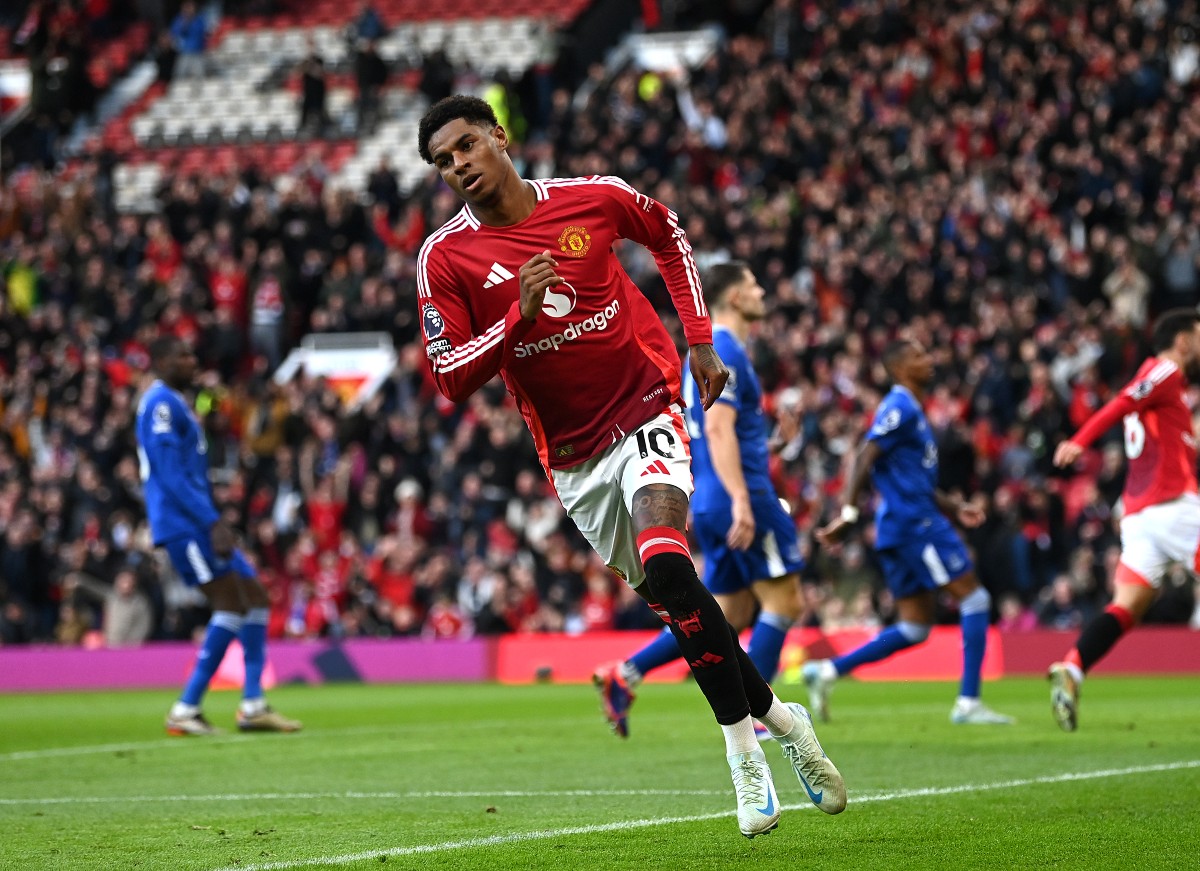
471,109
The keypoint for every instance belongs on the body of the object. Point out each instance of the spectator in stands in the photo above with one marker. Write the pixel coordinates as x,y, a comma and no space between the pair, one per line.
1062,607
384,189
73,625
189,32
367,24
314,116
1127,288
267,307
370,75
127,616
437,75
165,55
1015,615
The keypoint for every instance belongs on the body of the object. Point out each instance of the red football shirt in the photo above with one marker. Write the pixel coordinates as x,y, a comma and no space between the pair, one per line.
1159,441
597,362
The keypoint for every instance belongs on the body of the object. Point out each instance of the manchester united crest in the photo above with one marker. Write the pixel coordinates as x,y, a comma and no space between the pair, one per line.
575,241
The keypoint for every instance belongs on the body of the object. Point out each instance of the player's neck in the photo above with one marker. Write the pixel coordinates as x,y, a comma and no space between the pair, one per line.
739,326
917,391
1172,356
513,204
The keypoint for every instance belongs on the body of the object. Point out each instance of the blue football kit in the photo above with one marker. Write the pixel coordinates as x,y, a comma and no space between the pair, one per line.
918,547
173,456
775,551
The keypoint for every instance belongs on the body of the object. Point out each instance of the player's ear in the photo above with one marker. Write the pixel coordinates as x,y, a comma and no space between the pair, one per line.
501,137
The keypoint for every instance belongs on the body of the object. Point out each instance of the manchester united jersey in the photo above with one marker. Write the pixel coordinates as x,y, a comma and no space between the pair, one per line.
597,362
1159,441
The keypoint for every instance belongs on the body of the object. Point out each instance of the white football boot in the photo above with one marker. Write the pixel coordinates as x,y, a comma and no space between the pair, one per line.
757,804
816,772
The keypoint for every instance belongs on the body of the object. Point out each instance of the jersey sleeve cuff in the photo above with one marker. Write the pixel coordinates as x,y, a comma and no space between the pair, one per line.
514,325
698,334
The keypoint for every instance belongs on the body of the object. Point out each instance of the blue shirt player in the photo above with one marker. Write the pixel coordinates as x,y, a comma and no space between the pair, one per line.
173,454
919,549
752,560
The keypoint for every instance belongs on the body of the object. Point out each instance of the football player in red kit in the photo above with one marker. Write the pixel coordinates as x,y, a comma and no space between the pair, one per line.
1160,522
524,283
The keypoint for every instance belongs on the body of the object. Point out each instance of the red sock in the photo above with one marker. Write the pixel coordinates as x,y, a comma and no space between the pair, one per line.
1123,616
661,539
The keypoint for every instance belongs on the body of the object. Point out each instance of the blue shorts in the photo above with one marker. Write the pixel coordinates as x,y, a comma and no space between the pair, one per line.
197,564
927,562
774,553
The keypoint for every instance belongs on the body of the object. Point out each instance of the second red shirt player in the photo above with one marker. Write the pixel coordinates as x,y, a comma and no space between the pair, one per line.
1160,523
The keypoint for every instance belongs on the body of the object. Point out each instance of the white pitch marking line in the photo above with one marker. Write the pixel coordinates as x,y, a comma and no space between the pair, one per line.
500,840
582,793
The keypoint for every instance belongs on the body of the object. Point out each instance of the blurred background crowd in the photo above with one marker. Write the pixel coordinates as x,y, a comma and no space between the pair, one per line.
1015,182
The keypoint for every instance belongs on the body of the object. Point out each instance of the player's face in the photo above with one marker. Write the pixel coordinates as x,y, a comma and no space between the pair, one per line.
470,159
749,298
179,369
919,365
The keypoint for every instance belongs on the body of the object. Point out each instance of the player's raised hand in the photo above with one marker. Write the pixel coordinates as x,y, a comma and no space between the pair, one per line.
537,276
1066,453
709,373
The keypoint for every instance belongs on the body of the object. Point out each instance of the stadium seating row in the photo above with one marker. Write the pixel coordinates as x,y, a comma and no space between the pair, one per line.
249,98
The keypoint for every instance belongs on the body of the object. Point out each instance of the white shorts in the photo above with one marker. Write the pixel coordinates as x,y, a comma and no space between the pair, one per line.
598,493
1159,535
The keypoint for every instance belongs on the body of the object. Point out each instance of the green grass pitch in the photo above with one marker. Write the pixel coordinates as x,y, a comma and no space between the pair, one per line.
498,777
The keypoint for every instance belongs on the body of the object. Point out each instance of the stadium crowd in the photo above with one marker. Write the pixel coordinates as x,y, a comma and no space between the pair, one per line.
1014,183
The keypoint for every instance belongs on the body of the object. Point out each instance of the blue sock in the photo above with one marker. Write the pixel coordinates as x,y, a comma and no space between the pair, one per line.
254,647
658,652
975,614
766,643
891,640
223,627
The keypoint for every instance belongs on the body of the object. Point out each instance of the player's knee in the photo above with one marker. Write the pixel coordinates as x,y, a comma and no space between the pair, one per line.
672,582
788,606
978,601
914,633
781,597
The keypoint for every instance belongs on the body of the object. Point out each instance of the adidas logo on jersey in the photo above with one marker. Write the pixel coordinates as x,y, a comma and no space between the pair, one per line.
658,467
498,275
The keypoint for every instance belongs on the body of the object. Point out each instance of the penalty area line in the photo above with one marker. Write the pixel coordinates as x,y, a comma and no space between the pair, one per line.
519,837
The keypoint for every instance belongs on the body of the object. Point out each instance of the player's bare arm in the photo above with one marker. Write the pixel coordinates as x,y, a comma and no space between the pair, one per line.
710,373
832,533
719,429
537,276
